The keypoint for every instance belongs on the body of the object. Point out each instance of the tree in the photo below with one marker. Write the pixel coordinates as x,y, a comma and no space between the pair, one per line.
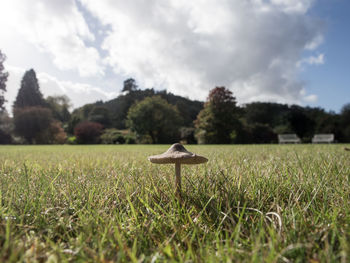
59,106
32,123
301,123
6,128
218,121
3,79
129,85
156,119
345,121
29,94
262,133
88,132
101,115
345,114
268,113
187,135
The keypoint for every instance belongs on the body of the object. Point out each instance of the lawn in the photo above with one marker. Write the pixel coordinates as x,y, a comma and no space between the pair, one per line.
266,203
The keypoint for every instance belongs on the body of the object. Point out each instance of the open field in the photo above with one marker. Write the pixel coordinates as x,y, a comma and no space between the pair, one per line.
288,203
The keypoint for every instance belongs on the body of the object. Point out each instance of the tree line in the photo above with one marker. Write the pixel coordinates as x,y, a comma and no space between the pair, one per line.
150,116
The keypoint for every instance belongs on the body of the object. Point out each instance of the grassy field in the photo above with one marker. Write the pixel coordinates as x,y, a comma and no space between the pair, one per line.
288,203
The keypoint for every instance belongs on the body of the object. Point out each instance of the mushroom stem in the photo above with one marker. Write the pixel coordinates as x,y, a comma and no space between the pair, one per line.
178,179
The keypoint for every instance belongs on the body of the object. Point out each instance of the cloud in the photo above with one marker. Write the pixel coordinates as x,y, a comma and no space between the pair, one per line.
311,98
189,47
55,27
79,93
308,98
292,6
253,47
312,60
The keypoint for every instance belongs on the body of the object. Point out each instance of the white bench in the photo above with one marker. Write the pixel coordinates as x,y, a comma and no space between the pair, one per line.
323,138
288,138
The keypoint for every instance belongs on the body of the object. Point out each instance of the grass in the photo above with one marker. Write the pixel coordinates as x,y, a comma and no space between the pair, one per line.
288,203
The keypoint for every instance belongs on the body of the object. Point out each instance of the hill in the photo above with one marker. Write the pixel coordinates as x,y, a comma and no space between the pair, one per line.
113,113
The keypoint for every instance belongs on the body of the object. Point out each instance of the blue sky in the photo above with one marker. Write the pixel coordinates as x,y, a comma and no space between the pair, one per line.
331,81
287,51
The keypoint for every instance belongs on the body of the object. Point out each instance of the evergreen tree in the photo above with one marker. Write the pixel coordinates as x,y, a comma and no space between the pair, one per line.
3,79
345,121
29,94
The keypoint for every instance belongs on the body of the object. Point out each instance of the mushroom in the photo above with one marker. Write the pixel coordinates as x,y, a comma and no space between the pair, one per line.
178,155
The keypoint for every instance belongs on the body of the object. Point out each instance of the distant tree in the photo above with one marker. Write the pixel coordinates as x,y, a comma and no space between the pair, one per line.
74,121
345,121
29,94
262,133
6,128
85,111
6,122
101,115
59,106
3,79
88,132
218,121
56,134
32,124
301,123
129,85
271,114
5,138
155,118
118,107
187,135
345,114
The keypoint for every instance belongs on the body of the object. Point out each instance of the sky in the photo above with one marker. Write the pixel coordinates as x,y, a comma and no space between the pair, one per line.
286,51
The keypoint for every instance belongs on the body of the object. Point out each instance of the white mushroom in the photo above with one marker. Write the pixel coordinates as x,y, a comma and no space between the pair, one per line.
178,155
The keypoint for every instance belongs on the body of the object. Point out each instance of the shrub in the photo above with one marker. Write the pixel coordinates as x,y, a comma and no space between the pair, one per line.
112,136
130,139
88,132
72,140
57,133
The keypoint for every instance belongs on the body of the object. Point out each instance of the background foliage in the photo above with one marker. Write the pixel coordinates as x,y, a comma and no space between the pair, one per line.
149,116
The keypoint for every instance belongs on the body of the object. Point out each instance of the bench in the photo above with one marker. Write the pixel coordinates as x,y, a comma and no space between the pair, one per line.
288,138
323,138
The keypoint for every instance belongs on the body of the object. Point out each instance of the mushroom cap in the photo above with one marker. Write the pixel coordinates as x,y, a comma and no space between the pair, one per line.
177,154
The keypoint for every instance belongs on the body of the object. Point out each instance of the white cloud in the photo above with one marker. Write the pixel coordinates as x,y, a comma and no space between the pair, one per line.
253,47
314,43
56,27
189,47
79,93
312,60
308,98
293,6
311,98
